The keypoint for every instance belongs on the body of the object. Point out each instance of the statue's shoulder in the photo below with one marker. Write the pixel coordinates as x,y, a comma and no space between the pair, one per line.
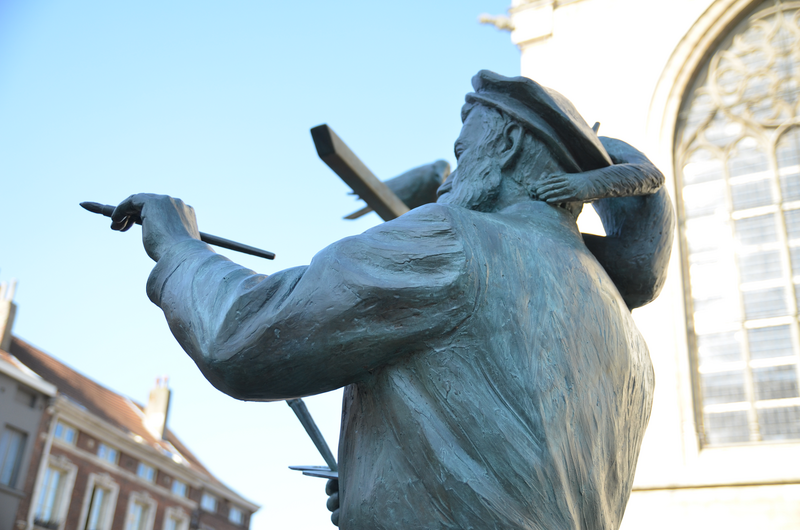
435,212
432,228
429,218
530,218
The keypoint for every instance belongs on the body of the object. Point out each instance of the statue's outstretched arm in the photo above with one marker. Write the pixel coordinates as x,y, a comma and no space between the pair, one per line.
360,304
639,229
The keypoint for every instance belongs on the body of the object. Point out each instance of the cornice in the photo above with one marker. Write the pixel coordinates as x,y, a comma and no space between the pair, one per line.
114,470
533,4
532,21
127,442
562,3
32,380
87,422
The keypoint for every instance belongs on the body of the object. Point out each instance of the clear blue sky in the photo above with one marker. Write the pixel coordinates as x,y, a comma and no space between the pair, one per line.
210,102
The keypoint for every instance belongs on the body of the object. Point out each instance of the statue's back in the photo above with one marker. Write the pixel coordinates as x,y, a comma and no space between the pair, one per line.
529,414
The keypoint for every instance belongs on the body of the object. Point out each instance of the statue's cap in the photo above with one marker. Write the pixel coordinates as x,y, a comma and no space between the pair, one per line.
547,114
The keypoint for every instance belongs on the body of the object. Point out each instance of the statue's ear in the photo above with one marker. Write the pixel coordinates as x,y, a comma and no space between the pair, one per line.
513,135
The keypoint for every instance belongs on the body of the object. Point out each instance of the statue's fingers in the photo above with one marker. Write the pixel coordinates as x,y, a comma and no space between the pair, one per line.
332,486
120,225
554,176
125,224
553,179
560,183
560,198
130,206
550,189
557,197
129,222
333,502
556,184
335,518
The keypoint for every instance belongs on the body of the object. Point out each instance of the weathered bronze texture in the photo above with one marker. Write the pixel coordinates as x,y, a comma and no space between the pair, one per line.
334,152
494,376
301,411
415,187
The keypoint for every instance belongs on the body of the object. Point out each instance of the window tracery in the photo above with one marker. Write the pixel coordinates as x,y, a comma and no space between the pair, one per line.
737,155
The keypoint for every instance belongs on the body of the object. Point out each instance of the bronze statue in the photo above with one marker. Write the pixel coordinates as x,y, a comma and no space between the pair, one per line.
494,375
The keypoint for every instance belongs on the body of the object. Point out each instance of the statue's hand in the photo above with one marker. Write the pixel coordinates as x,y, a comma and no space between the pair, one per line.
332,490
566,187
165,221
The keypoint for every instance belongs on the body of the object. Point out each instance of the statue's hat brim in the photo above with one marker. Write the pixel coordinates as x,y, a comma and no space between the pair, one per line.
547,114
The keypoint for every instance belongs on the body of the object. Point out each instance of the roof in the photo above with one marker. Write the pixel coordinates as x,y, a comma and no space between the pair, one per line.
114,409
10,366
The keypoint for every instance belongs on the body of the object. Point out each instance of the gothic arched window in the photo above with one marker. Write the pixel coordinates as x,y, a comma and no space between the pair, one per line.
737,159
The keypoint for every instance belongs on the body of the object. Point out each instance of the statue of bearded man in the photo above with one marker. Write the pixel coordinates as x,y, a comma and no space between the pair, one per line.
494,375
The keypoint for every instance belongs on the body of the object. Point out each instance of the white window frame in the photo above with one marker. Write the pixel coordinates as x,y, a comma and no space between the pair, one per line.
236,509
106,482
677,78
70,470
213,499
140,472
141,497
104,446
66,427
750,405
185,488
177,514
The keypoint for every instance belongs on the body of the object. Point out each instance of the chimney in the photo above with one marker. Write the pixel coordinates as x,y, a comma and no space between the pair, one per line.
8,310
157,409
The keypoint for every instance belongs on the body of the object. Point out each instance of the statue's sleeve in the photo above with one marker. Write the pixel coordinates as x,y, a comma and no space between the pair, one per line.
632,173
362,302
639,229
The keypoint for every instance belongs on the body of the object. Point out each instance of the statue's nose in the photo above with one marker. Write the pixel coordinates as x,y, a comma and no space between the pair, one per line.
447,185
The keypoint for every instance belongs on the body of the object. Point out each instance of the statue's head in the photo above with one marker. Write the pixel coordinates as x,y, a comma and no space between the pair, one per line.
514,133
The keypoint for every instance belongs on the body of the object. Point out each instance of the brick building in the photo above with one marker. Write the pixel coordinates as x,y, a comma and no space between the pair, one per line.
99,461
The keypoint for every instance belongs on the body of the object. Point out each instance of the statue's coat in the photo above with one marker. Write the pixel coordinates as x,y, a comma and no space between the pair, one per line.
495,378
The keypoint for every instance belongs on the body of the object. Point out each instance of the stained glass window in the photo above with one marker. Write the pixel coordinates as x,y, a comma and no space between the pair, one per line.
737,156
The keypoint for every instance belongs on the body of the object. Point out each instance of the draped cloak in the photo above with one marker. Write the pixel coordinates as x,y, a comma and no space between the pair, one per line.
494,376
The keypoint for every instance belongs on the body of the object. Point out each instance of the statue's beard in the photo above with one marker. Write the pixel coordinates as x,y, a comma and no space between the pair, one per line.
475,185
